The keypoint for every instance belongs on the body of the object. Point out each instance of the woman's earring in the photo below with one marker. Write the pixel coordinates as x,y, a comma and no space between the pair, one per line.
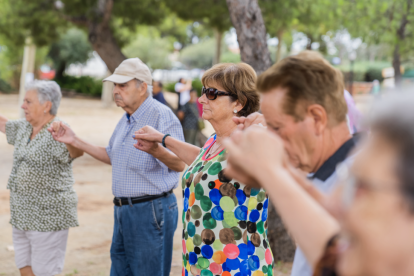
235,111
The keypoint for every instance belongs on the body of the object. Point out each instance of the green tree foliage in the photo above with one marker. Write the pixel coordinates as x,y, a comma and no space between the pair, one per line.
213,13
384,22
104,20
73,47
153,51
22,18
279,16
198,55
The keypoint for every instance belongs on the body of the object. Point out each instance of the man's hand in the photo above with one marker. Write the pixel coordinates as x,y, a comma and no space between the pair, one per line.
149,134
62,133
253,119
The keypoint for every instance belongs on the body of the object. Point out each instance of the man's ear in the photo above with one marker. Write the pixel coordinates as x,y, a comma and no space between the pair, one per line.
143,88
319,117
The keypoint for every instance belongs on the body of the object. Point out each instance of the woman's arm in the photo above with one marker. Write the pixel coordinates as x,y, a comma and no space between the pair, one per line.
162,154
186,152
3,121
74,152
59,130
260,154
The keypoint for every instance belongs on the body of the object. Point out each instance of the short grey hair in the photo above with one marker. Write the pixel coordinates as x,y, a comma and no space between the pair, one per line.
47,91
149,87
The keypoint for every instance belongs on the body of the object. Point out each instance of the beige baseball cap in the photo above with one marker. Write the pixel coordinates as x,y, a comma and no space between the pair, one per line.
132,68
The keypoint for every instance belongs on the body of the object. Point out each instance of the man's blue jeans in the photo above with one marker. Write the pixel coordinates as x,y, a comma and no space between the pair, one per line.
142,243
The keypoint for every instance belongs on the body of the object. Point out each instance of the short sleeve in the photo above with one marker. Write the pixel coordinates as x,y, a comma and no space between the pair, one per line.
12,128
111,142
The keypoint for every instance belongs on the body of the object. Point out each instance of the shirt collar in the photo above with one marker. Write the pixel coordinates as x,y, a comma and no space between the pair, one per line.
329,167
141,110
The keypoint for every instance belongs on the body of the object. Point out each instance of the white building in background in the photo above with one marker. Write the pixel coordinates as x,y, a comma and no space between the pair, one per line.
95,67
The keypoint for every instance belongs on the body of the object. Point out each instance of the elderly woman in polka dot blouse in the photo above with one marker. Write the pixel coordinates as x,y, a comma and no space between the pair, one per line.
225,222
42,199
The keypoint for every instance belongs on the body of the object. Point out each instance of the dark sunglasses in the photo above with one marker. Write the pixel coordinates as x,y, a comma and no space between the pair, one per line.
212,93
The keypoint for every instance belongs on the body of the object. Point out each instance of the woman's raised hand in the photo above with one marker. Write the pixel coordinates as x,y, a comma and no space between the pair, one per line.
251,151
253,119
148,133
62,133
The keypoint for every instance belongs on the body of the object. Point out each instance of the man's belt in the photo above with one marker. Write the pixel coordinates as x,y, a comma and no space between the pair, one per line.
119,201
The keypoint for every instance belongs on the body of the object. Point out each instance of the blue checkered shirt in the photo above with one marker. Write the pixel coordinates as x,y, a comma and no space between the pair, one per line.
134,172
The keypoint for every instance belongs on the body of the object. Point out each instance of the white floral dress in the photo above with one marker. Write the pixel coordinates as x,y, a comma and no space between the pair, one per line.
42,197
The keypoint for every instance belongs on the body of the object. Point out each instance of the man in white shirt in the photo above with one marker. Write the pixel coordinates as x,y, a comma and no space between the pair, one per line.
183,87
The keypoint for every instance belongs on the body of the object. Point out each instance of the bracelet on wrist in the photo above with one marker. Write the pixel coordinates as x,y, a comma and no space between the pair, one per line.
163,140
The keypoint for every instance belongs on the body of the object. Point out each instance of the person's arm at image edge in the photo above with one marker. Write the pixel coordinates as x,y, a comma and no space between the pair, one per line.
3,121
257,155
308,222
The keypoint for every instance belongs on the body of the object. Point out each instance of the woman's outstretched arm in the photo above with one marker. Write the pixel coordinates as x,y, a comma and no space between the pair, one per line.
3,121
185,151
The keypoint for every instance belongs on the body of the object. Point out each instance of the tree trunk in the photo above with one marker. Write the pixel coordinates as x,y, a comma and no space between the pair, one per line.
283,248
104,43
279,45
251,34
310,41
247,19
60,70
396,63
219,36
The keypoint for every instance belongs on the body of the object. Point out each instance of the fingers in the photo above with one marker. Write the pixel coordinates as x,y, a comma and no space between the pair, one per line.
238,120
138,136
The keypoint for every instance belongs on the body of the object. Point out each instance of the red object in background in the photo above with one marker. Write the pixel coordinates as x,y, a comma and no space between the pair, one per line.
47,75
200,108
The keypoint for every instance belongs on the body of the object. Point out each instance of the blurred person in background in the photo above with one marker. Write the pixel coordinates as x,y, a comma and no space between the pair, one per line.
145,211
42,199
157,92
225,222
364,228
354,116
183,87
188,114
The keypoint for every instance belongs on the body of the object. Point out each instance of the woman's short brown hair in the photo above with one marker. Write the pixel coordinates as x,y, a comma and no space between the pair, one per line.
239,80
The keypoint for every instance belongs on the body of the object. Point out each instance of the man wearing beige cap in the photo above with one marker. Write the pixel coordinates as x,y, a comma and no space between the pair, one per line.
145,209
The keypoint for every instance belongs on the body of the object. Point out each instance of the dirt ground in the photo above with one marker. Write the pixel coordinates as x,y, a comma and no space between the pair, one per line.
88,245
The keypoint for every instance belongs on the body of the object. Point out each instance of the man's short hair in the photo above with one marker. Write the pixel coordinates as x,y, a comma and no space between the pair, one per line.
309,79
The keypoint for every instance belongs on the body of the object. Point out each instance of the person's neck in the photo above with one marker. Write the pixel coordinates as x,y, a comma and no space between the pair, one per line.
223,129
333,139
131,109
39,124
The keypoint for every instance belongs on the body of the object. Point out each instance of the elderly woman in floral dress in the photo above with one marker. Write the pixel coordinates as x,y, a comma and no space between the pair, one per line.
225,222
42,199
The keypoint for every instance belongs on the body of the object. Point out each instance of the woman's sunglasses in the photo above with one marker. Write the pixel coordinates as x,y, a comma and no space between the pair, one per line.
212,93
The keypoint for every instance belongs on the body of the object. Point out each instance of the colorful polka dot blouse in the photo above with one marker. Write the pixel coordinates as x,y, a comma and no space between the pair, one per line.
225,222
